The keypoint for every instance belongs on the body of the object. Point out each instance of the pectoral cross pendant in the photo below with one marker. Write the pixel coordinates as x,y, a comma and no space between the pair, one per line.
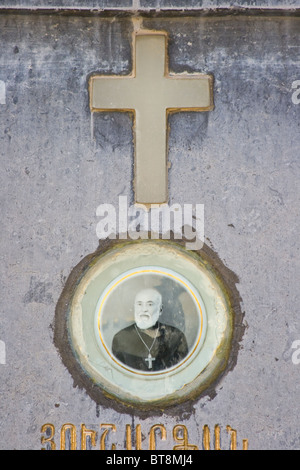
149,361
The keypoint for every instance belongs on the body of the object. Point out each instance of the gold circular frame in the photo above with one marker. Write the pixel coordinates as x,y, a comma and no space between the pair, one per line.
101,373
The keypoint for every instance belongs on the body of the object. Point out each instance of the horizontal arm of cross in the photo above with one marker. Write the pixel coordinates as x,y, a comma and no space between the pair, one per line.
151,93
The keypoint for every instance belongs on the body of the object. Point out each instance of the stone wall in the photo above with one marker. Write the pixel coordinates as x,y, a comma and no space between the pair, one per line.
239,160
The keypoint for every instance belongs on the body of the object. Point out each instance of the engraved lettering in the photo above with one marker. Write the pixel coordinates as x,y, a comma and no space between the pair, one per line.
89,439
163,432
233,437
206,437
128,438
245,444
138,438
69,430
49,430
217,437
107,428
87,434
178,431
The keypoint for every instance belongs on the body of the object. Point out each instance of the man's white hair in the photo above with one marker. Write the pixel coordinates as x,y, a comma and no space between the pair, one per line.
150,290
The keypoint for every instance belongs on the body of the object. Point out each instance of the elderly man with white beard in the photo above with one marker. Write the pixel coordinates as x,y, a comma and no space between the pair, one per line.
148,344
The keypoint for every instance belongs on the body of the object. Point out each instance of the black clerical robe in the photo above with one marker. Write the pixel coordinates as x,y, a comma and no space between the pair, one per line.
169,348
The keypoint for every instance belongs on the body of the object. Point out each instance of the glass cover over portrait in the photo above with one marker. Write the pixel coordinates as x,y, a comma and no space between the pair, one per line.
150,320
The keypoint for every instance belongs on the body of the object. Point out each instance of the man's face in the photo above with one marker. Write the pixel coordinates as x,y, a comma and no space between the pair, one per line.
147,308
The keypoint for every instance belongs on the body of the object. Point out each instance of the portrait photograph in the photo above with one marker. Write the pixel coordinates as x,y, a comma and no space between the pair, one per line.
150,320
148,323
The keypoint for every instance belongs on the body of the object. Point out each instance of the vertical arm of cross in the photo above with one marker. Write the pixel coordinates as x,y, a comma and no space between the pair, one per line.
151,94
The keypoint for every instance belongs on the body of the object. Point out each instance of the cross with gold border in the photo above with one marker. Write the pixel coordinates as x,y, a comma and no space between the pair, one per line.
151,93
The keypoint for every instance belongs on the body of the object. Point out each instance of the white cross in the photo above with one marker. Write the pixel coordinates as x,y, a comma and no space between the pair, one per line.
151,93
149,360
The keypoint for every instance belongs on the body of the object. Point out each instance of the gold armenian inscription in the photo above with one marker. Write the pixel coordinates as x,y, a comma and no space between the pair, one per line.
73,438
151,93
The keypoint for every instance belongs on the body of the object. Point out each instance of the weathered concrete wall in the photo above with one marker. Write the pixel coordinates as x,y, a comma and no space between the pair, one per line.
57,165
146,5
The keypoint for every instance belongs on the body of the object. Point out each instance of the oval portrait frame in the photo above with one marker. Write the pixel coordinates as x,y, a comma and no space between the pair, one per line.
89,356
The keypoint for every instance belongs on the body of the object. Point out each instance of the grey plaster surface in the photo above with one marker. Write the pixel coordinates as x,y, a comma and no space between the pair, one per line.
240,160
145,5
